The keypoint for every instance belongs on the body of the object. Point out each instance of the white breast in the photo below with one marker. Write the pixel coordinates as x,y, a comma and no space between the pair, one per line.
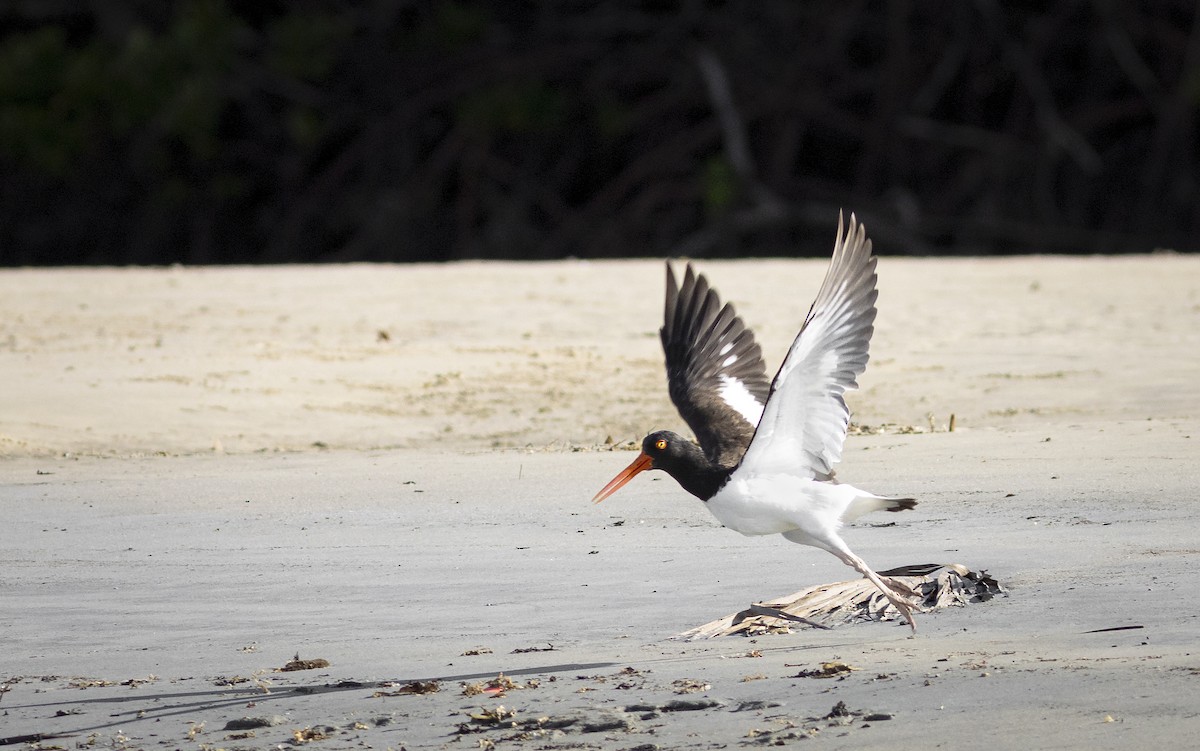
766,505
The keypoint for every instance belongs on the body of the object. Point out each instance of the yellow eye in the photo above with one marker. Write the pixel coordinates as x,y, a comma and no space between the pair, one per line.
661,444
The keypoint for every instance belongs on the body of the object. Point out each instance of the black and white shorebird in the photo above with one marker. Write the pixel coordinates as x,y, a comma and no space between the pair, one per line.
765,460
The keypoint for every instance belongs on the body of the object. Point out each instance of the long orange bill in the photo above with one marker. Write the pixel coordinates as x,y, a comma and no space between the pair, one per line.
640,464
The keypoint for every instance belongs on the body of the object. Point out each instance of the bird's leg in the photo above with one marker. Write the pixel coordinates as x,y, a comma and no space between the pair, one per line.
900,587
859,565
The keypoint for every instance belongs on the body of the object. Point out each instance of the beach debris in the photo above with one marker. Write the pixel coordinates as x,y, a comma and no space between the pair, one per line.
229,680
760,609
689,686
600,720
495,716
309,734
843,715
525,650
15,740
827,670
135,682
254,723
627,678
886,428
497,686
476,652
604,721
690,705
756,705
840,716
932,586
411,688
297,664
1113,628
781,737
261,682
82,683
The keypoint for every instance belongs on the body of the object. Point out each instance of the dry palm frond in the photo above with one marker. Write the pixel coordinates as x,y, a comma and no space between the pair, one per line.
932,585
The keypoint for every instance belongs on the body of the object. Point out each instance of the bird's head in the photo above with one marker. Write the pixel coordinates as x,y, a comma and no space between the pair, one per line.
661,449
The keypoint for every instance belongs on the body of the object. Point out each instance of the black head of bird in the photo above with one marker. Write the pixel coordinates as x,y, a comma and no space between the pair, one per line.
678,457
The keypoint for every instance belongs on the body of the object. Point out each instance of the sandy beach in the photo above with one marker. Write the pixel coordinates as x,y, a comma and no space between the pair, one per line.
206,474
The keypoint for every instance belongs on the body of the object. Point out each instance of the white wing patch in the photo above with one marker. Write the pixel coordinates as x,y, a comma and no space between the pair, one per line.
729,361
804,424
734,393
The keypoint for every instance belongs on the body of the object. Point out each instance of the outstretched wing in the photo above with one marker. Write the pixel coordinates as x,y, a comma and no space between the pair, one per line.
715,370
804,423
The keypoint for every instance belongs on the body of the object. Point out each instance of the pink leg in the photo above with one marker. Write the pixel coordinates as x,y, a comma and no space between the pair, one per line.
900,587
859,565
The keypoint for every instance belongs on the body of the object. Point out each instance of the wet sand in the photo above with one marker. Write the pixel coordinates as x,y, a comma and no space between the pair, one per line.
206,473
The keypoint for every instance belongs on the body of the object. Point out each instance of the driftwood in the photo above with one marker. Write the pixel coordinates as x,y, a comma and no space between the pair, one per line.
934,586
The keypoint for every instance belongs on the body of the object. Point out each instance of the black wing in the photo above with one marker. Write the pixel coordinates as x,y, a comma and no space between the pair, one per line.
715,370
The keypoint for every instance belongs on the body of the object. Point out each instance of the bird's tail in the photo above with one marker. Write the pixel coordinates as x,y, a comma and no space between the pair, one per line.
900,504
866,503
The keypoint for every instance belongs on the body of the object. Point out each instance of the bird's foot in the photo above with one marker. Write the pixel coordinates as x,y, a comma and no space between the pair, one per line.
902,589
906,611
902,597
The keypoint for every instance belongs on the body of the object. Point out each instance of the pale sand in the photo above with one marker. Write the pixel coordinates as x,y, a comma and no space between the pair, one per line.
166,513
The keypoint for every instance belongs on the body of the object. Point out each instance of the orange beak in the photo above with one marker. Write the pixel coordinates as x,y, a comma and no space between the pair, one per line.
640,464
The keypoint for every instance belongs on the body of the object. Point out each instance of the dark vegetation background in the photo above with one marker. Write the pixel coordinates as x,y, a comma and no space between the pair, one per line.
153,132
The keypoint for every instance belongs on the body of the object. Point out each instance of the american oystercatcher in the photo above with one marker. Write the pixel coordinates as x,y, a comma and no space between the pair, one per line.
765,460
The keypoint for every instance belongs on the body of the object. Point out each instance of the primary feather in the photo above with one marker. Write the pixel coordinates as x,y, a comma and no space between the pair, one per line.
715,372
804,422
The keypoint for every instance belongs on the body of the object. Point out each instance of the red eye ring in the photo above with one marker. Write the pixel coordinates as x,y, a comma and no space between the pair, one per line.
661,444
